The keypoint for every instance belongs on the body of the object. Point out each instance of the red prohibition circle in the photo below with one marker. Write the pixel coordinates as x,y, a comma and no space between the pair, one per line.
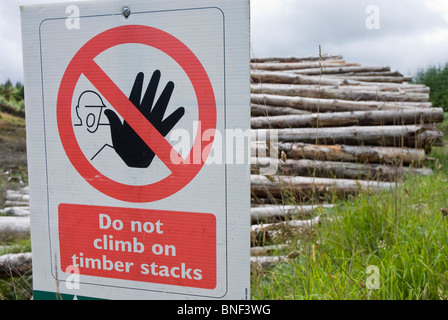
83,63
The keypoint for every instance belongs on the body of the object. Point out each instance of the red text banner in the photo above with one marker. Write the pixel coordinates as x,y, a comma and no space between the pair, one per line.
166,247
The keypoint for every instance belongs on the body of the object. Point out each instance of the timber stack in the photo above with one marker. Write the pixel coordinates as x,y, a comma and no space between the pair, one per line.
339,128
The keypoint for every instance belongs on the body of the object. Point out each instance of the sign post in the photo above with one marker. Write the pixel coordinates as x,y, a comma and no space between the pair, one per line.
137,134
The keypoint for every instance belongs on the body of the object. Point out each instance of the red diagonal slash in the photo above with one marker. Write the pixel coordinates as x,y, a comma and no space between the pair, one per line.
150,135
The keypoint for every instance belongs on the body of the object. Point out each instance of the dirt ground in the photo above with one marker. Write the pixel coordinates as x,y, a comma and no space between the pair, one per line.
13,161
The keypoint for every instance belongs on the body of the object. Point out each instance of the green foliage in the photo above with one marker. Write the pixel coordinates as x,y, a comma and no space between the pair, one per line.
402,232
12,96
437,79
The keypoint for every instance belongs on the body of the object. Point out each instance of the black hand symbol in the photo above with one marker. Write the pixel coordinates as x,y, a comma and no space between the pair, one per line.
128,145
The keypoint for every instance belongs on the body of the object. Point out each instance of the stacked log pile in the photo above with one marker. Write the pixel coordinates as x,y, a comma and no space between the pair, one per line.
340,128
15,224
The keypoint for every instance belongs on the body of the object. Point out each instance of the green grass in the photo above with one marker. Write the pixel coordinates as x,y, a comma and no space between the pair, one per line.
403,232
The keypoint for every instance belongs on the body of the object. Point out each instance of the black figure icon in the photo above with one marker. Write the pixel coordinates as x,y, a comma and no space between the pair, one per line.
126,142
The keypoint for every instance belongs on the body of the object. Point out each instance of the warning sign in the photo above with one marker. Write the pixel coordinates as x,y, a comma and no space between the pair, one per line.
138,133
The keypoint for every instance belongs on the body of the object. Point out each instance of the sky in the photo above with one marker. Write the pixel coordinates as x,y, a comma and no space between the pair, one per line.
406,35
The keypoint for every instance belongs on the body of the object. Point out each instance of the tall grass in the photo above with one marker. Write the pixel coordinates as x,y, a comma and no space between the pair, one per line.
403,232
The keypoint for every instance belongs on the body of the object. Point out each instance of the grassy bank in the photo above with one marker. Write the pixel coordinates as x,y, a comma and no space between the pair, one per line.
402,233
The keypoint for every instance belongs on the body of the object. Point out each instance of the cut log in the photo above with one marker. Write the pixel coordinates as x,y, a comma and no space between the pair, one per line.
15,264
351,118
257,110
340,170
16,211
297,59
384,77
263,213
14,227
275,186
17,196
261,234
341,70
366,154
332,105
416,136
300,65
266,261
365,74
340,93
261,76
299,224
260,251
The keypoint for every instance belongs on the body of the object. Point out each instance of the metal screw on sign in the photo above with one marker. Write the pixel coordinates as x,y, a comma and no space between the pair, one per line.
126,12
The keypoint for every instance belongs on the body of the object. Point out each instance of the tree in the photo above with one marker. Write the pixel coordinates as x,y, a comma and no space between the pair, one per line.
437,79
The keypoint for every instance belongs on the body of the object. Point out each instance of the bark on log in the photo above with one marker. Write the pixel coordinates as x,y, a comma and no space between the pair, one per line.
258,263
416,136
275,186
17,196
384,77
341,70
298,224
259,76
351,118
15,264
366,154
17,203
261,251
297,59
340,93
366,74
16,211
269,212
257,110
300,65
332,105
340,170
14,227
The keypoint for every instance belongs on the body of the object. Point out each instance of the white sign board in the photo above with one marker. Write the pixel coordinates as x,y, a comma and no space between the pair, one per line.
138,131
